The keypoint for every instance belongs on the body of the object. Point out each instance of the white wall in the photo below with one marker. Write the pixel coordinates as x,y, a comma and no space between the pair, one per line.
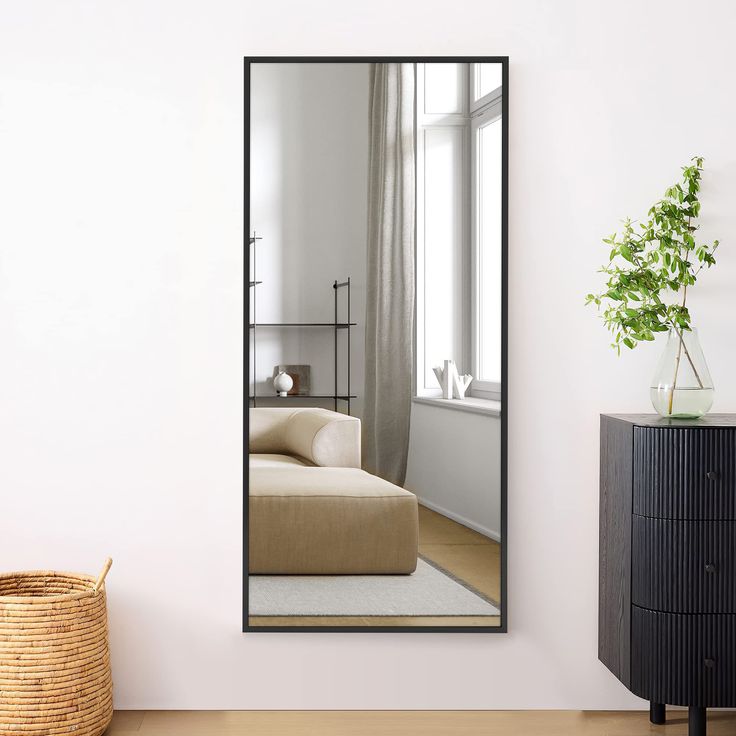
454,465
309,179
121,295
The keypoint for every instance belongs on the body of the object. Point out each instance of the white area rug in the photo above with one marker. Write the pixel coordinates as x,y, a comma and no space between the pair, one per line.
428,592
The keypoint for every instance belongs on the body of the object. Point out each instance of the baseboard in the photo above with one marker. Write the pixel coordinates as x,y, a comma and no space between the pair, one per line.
485,531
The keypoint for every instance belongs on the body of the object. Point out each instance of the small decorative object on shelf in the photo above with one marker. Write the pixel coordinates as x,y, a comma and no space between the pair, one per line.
451,382
283,383
648,261
301,377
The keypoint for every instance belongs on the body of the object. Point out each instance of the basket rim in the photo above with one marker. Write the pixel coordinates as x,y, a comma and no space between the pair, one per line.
55,598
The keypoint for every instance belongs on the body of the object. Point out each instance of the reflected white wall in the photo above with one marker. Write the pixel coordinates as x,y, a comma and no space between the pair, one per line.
455,465
309,176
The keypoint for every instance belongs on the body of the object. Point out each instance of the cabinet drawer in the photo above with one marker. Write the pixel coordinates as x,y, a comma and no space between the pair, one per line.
683,566
684,473
684,659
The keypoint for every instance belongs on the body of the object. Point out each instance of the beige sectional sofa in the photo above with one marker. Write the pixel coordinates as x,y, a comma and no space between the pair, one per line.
312,510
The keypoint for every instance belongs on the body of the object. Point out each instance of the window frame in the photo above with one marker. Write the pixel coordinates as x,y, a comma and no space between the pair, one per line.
485,111
468,320
424,121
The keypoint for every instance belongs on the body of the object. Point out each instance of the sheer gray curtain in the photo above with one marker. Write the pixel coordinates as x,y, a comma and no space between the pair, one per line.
389,348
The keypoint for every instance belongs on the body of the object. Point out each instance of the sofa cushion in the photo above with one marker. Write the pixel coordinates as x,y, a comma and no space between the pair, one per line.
312,521
258,461
309,481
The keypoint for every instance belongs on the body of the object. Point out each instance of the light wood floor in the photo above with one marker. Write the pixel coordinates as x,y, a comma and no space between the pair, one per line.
464,553
408,723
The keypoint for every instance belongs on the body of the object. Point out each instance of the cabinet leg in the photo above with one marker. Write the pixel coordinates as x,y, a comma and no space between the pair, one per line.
657,713
696,721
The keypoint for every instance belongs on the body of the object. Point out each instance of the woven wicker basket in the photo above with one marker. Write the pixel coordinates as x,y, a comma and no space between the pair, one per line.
54,660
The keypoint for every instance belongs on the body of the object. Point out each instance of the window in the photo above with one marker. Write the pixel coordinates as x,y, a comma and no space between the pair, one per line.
459,196
485,80
486,161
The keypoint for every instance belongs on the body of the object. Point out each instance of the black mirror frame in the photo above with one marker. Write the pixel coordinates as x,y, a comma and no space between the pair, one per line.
504,61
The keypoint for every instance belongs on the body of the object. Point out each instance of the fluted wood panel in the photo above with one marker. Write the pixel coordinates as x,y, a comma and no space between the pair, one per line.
614,592
684,566
684,473
684,659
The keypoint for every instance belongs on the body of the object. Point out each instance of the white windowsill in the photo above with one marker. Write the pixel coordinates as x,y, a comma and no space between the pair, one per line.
469,403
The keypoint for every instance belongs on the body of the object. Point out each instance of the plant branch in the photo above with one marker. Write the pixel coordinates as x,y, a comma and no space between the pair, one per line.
682,345
646,264
702,265
687,355
674,380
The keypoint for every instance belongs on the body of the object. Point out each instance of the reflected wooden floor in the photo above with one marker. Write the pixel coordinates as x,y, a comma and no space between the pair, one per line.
464,553
408,723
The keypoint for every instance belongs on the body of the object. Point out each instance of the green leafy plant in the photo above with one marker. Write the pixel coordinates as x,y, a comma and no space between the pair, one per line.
651,264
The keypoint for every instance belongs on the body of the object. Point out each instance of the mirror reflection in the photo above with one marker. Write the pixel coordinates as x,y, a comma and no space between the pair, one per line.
375,345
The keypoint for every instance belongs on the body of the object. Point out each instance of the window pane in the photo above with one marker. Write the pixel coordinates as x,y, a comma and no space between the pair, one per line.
443,88
489,251
443,231
487,78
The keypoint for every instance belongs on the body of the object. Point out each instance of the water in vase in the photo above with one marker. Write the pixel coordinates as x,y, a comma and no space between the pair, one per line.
687,403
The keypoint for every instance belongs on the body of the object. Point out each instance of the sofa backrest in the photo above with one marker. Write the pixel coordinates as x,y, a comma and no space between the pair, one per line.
267,430
319,436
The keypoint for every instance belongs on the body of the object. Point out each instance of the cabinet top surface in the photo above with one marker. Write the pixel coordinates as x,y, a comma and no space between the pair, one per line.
709,421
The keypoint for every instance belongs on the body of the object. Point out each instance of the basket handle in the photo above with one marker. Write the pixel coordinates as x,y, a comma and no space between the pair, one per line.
101,579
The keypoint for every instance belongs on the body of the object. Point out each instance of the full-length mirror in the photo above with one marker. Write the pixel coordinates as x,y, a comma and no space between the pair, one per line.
375,371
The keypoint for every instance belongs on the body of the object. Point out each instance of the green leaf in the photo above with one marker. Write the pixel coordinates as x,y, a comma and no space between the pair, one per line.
650,263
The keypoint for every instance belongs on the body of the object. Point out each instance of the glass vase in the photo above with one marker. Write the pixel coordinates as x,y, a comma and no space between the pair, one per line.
682,387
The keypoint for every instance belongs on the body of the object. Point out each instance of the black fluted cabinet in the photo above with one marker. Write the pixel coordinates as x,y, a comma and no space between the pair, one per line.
667,586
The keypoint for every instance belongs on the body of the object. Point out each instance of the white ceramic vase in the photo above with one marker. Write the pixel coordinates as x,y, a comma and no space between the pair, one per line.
283,383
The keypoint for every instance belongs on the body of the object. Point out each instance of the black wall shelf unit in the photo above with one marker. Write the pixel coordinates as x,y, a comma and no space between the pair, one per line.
337,396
